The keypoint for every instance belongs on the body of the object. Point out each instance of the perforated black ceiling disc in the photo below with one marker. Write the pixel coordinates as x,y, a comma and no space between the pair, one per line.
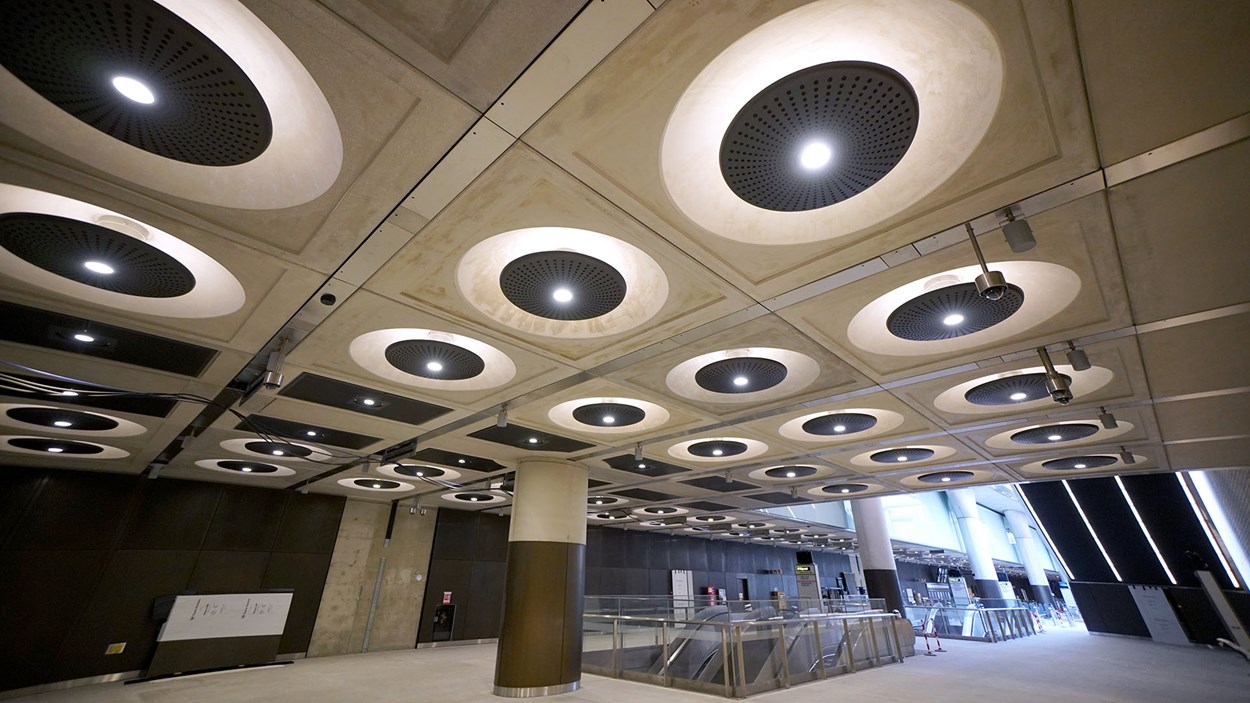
1086,462
419,471
532,282
924,317
760,374
431,359
951,476
206,110
709,448
1048,433
660,511
892,456
602,500
261,447
51,445
63,246
844,488
864,113
849,422
247,467
597,414
473,497
999,392
48,417
785,471
376,483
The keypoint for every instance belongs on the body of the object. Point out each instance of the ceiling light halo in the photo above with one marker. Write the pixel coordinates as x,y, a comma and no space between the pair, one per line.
1084,384
978,475
681,450
106,451
800,372
445,473
1003,440
820,491
945,51
1116,464
488,497
669,511
820,472
123,428
887,421
239,446
655,415
1048,289
645,283
865,460
369,352
216,465
403,486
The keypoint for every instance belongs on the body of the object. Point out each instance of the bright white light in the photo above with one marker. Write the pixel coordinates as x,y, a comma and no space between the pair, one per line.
1090,527
815,155
369,401
311,433
134,90
790,474
459,461
63,423
845,490
98,267
642,466
562,295
1019,396
532,440
434,366
598,502
420,473
952,320
377,485
1193,503
839,428
1078,466
901,457
83,337
741,380
55,450
1144,531
473,498
1055,437
717,452
68,394
608,419
1045,534
277,452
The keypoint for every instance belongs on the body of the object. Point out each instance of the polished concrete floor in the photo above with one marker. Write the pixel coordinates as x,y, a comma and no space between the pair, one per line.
1063,666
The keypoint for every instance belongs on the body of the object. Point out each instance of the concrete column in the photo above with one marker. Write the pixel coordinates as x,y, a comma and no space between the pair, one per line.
1031,556
876,553
540,642
976,542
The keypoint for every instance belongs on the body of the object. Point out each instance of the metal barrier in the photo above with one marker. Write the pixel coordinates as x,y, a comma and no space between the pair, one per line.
980,624
680,607
719,652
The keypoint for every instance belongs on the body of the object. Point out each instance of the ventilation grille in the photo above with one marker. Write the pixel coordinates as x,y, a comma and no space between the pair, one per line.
206,112
849,422
431,359
597,414
1000,391
760,374
1049,433
531,282
923,318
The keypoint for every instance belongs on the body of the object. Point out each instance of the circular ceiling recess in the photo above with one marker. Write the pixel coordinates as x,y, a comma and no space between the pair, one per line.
430,358
952,311
819,136
63,419
419,471
1077,463
609,415
1054,433
562,285
905,454
277,449
377,484
139,73
946,476
839,424
603,500
717,448
475,497
790,472
741,375
247,467
54,446
844,488
94,255
1021,388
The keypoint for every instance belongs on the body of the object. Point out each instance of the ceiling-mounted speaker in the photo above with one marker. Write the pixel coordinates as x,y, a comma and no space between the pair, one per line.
1018,233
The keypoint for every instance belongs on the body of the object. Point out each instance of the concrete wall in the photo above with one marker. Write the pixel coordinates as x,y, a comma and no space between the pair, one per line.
349,590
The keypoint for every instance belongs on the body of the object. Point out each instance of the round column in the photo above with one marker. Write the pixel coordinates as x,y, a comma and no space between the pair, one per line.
1030,556
876,553
963,503
540,642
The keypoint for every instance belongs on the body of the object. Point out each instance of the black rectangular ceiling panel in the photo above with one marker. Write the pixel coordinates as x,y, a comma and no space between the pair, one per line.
50,330
1113,522
520,437
779,498
706,505
1062,522
643,494
455,460
646,467
1174,527
136,404
299,431
720,484
349,396
595,483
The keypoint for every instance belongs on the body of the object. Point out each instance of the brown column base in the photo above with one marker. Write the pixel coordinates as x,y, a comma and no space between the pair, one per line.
540,642
883,583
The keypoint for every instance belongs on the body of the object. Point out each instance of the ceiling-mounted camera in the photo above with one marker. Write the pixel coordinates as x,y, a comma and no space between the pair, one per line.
1056,384
991,285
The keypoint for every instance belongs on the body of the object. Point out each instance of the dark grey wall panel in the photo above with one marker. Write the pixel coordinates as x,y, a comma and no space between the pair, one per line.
310,524
172,515
305,573
222,572
1173,526
1112,519
72,510
246,519
1117,611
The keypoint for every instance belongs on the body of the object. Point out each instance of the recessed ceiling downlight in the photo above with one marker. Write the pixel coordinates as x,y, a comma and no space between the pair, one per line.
1049,434
562,285
55,446
741,375
56,417
946,477
1021,388
717,448
609,414
844,488
839,424
951,311
430,358
98,267
134,89
903,454
1079,462
819,136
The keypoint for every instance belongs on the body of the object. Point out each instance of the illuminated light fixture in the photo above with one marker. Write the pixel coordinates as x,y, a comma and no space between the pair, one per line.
368,401
839,428
63,423
1093,534
246,469
991,285
278,452
1144,531
1019,234
311,433
1078,466
845,490
790,474
952,320
434,366
419,473
1206,528
562,295
98,267
1077,358
1107,419
1019,395
1056,384
460,461
901,457
946,479
84,337
642,466
68,394
815,155
134,90
532,440
55,450
1055,438
741,380
717,452
608,419
377,485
